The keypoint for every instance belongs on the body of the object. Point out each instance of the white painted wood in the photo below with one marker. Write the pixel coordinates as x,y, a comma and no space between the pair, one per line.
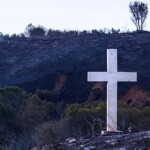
112,76
112,60
112,106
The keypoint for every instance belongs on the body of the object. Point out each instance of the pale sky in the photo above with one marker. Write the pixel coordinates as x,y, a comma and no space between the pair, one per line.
15,15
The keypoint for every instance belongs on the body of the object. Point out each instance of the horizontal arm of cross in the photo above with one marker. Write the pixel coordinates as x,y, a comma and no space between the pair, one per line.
112,76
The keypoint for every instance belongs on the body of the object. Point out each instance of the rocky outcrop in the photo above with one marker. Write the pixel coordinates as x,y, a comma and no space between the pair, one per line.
133,141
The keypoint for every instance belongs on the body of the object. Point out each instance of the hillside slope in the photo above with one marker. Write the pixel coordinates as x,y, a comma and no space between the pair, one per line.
60,63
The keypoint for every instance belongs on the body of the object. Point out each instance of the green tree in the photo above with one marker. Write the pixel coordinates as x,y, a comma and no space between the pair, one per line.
14,97
139,11
33,31
35,112
86,118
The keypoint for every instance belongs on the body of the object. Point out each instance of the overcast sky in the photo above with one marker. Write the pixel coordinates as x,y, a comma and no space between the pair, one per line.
15,15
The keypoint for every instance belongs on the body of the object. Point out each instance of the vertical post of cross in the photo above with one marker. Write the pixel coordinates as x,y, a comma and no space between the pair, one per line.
112,67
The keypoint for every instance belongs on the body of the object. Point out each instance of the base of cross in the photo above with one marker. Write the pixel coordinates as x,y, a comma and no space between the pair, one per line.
110,133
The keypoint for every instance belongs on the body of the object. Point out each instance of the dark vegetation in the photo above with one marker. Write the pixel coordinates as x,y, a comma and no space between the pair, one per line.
28,120
57,102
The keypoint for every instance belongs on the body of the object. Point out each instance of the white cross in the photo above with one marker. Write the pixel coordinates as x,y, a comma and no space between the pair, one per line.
112,76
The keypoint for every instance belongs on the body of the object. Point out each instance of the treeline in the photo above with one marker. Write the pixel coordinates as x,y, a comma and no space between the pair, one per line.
34,119
32,31
41,31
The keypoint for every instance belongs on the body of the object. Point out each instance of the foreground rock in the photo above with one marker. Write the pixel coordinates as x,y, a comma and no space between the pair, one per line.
136,141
